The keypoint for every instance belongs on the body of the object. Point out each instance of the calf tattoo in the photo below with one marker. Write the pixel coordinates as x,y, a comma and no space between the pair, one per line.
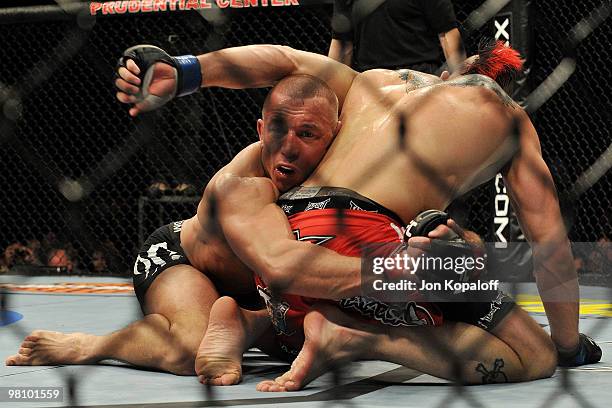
493,376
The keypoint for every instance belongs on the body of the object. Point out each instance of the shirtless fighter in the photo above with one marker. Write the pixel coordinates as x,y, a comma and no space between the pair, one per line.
183,267
367,167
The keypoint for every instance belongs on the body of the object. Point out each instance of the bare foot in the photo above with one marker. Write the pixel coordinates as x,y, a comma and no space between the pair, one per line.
230,332
43,347
332,338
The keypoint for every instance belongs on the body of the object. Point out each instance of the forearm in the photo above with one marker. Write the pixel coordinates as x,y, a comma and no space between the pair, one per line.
557,283
252,66
256,66
341,51
304,269
452,47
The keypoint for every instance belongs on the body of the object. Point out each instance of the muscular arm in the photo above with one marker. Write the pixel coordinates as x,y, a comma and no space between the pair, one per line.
533,194
341,51
452,47
257,66
259,233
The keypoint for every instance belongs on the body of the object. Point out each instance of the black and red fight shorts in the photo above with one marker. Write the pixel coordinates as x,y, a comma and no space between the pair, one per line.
344,221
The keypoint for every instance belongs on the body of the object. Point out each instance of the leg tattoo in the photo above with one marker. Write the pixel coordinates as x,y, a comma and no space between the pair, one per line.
496,375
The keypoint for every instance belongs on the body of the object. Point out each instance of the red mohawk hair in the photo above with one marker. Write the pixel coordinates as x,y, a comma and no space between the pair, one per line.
498,62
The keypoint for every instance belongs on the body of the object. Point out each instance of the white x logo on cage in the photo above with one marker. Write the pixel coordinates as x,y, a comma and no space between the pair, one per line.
501,31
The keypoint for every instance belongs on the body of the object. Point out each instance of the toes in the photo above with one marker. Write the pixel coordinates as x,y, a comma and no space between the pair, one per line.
264,385
28,344
17,359
287,382
216,381
276,388
25,351
291,385
230,379
223,380
270,386
10,361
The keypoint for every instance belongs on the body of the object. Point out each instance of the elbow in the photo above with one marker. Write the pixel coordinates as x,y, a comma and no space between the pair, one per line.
277,275
290,58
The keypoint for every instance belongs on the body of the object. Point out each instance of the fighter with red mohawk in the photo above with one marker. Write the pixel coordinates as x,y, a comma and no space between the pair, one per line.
454,134
496,61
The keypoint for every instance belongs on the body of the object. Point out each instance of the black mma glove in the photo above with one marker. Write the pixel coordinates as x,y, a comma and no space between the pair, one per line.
588,352
188,75
454,247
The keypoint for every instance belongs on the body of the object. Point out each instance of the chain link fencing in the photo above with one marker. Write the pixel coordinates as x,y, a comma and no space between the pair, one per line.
84,183
70,127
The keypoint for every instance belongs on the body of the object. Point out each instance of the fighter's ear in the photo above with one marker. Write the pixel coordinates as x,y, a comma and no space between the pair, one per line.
338,127
260,128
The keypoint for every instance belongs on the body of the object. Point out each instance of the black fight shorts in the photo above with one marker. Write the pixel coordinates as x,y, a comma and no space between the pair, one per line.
159,252
486,314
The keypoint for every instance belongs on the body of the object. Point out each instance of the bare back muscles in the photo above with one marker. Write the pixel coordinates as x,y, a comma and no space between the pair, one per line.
433,165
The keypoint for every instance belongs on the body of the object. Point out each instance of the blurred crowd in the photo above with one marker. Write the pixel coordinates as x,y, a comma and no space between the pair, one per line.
105,259
595,257
51,252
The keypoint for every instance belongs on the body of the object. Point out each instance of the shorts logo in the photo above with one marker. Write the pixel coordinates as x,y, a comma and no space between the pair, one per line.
496,303
317,206
406,314
301,192
313,239
177,226
400,231
158,255
409,228
353,206
277,311
286,208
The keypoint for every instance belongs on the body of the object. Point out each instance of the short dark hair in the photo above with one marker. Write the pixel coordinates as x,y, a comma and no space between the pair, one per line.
302,87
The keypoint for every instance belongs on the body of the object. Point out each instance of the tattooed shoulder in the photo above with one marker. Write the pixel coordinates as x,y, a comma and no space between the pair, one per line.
484,81
411,79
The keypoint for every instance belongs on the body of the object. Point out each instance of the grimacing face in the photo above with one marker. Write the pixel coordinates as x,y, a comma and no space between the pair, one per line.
295,134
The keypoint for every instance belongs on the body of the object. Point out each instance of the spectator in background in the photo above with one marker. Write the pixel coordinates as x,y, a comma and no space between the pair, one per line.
18,254
606,244
99,264
395,34
37,251
600,259
61,257
106,260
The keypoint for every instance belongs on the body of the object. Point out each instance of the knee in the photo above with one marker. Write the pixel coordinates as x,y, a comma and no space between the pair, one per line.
543,363
180,361
182,349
